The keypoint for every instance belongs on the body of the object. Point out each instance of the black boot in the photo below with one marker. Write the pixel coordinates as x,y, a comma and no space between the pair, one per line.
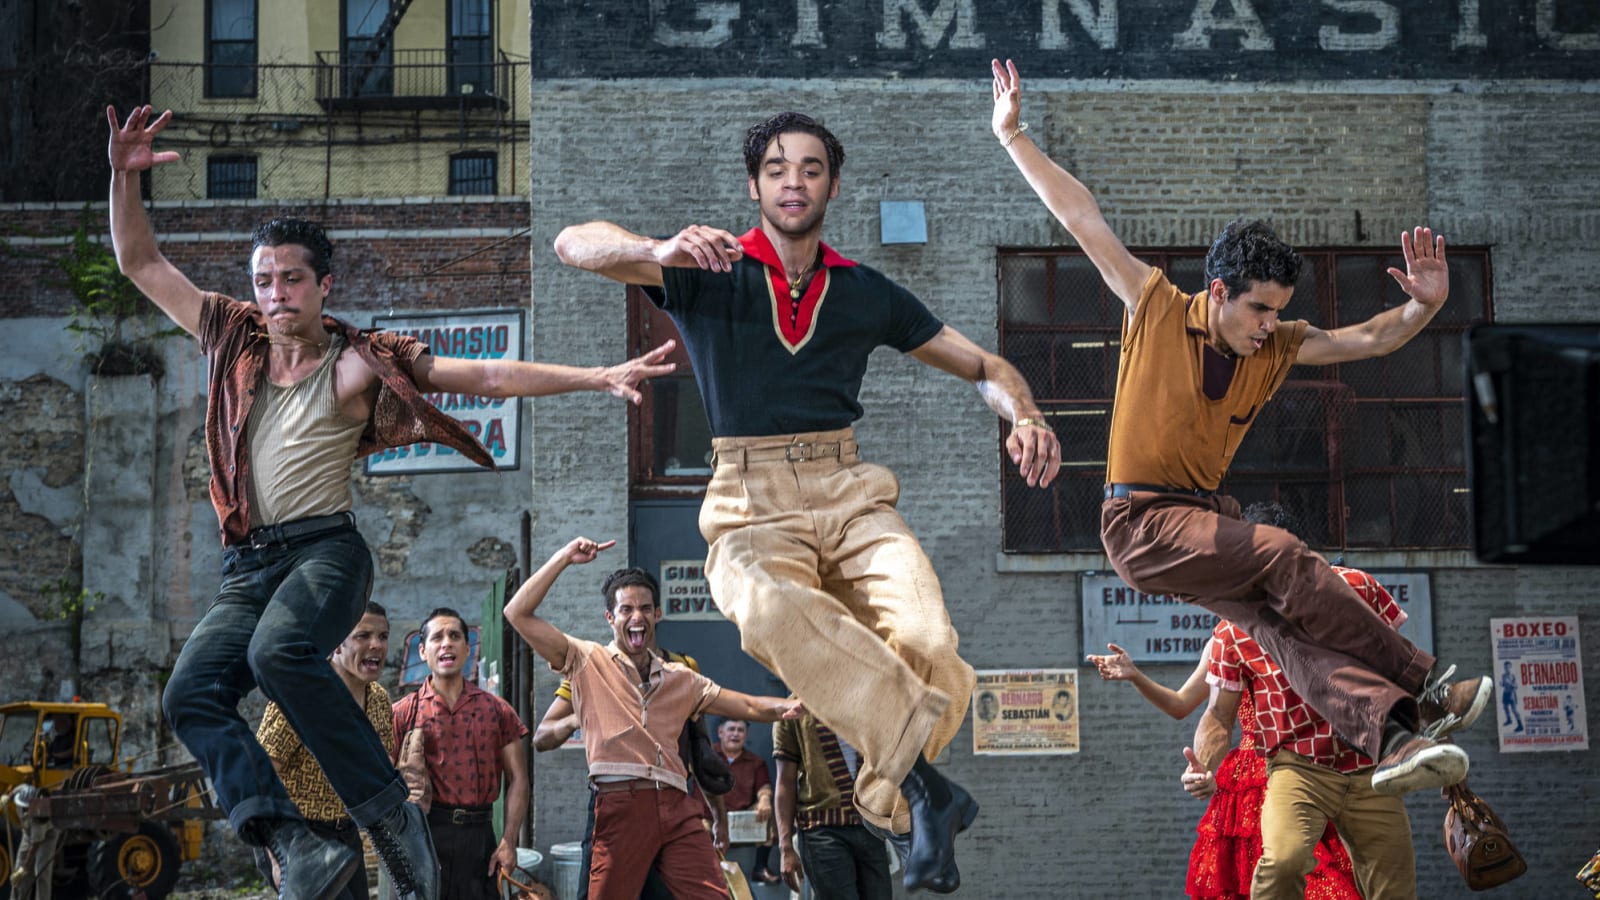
405,847
940,810
310,867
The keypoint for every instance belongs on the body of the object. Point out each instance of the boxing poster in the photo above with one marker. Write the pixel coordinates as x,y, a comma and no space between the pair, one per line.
1538,673
1033,712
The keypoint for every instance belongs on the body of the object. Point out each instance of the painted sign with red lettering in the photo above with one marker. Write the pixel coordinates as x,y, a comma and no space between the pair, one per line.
1538,672
495,421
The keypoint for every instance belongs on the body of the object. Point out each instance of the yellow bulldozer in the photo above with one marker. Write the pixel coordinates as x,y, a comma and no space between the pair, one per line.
123,835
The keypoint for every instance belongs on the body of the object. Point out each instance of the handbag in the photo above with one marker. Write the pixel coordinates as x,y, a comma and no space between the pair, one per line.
413,763
738,886
710,770
1477,841
516,890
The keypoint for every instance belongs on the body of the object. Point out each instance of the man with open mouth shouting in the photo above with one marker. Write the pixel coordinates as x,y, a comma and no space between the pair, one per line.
632,705
359,664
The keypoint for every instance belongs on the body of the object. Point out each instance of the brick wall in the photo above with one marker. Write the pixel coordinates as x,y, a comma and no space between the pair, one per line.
1169,166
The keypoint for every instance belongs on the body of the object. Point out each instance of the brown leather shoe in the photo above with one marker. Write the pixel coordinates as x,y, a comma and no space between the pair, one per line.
1417,764
1447,706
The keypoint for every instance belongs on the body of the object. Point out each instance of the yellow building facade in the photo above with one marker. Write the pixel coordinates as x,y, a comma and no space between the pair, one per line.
321,99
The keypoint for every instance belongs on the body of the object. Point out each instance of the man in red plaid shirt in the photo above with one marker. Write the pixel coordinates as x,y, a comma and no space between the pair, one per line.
1313,776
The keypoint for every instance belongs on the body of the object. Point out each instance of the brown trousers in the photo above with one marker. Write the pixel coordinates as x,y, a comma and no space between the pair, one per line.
833,593
1337,653
660,826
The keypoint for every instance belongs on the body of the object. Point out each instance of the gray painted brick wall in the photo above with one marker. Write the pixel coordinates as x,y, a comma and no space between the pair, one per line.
1505,169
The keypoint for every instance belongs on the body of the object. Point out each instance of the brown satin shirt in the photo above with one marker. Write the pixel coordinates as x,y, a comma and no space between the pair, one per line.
1164,429
233,338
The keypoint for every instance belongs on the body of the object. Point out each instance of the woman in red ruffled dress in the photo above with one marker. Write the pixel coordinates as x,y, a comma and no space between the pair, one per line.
1228,838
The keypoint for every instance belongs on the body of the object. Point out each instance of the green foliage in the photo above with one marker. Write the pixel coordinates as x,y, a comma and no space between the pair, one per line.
116,328
64,600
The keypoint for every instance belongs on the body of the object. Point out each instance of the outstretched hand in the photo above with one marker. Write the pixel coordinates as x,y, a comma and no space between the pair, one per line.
581,550
623,380
1427,275
1007,98
130,147
1117,666
1197,779
700,247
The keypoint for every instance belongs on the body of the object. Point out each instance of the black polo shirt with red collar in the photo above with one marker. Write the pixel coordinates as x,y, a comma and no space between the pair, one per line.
767,364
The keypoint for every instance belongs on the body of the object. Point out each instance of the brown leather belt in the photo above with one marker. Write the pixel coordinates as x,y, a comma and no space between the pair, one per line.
632,784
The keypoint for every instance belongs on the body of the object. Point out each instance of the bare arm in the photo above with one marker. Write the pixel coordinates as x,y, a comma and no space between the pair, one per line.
620,255
788,786
1426,281
512,378
547,640
1117,666
558,724
516,782
1065,196
132,237
1213,735
1033,446
733,705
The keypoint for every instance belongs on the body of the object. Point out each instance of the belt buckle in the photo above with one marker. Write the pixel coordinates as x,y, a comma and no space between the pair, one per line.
803,450
458,817
262,538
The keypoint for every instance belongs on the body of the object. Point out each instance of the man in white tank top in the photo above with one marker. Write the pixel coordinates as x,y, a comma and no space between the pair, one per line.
294,397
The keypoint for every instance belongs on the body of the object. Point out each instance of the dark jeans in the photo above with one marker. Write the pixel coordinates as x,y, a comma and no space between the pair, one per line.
845,863
654,887
348,835
280,612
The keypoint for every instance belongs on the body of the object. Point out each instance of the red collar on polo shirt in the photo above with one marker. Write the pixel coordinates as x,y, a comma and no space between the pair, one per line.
794,322
758,246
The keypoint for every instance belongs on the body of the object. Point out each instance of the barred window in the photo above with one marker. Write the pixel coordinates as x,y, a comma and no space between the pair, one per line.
1370,454
472,173
231,177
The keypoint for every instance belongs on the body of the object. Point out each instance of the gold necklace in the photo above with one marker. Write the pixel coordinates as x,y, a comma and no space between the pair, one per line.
794,283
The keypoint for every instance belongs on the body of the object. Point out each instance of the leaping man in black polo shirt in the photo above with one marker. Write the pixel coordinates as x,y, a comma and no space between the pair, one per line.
809,557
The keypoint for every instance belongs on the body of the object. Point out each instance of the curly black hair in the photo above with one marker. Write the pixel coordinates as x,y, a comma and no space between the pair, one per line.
285,230
1273,514
1250,251
630,577
762,133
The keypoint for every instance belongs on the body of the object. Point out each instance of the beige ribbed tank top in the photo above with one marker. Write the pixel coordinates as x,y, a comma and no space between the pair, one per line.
301,447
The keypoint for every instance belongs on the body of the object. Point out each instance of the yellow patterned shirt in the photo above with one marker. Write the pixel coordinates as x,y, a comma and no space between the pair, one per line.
302,777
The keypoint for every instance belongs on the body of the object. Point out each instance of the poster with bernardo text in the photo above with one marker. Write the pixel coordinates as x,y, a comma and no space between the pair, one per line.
1031,712
1538,672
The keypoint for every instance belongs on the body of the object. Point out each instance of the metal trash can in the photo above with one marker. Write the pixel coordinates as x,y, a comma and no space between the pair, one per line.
566,869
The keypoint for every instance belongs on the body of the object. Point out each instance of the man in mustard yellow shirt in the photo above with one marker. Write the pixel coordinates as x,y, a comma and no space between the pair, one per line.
1195,371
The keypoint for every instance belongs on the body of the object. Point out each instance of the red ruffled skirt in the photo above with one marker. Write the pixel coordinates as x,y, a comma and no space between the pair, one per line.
1228,838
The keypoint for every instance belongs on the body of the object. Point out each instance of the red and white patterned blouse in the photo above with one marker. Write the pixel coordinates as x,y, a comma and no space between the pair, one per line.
1236,662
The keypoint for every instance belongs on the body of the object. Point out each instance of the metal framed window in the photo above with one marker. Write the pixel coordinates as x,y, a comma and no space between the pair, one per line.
230,48
231,177
1368,454
669,435
471,47
473,173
